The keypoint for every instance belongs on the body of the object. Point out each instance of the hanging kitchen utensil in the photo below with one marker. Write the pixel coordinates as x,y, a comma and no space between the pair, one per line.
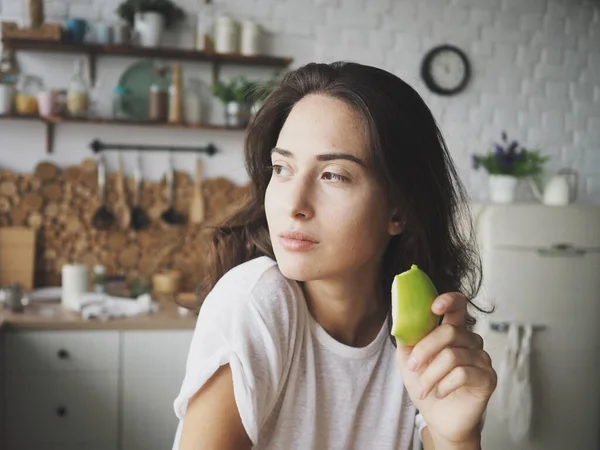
103,218
197,207
139,218
171,216
122,211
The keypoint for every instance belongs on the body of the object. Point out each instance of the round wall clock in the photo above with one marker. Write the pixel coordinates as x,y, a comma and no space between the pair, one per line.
446,70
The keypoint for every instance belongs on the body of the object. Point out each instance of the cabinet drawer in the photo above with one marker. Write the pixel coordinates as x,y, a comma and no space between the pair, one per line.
61,407
30,351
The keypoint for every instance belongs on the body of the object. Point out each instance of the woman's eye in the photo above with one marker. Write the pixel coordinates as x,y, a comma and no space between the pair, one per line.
331,176
278,169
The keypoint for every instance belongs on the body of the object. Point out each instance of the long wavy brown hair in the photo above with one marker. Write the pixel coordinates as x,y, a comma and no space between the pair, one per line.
408,154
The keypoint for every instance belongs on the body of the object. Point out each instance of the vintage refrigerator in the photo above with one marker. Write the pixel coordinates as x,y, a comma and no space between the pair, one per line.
541,266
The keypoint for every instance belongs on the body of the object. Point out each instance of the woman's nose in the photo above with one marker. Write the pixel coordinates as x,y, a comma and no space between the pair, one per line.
299,200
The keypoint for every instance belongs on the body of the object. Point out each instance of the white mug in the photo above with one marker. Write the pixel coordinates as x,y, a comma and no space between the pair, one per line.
7,95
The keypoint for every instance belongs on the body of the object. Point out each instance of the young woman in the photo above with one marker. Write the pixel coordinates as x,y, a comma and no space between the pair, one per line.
351,184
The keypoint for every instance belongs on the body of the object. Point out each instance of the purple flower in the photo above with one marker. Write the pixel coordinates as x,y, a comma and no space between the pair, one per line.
499,151
475,162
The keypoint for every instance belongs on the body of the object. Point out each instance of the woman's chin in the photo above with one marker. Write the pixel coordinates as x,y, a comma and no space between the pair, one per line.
299,266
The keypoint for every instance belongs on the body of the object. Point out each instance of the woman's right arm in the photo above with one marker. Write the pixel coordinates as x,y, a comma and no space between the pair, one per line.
212,420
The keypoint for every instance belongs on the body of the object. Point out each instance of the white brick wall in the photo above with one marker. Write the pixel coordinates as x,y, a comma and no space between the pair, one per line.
536,67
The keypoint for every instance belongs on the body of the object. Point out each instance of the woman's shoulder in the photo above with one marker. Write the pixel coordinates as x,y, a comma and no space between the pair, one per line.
256,284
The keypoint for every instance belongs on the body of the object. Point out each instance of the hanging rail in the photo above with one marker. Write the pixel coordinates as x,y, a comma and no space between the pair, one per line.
98,146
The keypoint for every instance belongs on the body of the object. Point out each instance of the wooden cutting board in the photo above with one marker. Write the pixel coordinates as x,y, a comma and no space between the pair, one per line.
17,256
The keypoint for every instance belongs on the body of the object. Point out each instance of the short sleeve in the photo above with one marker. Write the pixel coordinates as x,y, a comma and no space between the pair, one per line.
420,423
235,327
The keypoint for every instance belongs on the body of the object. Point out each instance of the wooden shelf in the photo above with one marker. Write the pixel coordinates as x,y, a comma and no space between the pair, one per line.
95,50
50,123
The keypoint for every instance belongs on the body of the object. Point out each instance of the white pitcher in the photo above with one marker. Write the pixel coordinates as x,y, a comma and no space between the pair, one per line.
149,26
560,190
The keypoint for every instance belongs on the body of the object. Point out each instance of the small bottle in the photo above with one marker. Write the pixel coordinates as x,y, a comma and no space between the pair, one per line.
9,71
157,104
99,279
119,108
78,92
201,31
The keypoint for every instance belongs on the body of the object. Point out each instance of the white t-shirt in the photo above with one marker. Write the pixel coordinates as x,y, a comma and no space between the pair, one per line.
295,386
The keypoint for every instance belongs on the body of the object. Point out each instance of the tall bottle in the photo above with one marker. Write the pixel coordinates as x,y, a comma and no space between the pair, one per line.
175,96
78,92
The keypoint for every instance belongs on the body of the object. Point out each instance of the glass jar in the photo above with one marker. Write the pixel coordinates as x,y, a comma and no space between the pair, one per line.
78,92
250,39
99,279
28,88
193,102
226,35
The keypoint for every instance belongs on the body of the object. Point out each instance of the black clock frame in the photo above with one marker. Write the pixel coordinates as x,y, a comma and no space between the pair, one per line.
426,70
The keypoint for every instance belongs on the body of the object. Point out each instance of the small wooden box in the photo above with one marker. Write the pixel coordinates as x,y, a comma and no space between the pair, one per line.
46,32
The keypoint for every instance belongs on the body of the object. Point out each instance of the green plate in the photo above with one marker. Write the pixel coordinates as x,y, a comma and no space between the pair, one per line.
137,80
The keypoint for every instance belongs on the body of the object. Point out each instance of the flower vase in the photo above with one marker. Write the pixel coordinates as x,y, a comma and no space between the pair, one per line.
503,188
150,27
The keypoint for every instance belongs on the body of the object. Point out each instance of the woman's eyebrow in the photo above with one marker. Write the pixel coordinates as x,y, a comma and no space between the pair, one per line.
324,157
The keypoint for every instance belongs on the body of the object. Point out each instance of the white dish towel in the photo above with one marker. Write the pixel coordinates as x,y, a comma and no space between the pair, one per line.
521,401
506,373
105,307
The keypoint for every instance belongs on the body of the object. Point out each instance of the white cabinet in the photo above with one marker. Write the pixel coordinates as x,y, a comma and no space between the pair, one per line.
153,366
35,351
61,389
90,390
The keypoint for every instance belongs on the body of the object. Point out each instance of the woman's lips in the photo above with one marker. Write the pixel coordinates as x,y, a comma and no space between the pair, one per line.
297,242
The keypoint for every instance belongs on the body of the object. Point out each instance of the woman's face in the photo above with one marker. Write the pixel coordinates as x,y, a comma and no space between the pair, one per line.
327,213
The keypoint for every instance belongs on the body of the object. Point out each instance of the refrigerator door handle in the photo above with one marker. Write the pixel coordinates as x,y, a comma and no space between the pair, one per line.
562,250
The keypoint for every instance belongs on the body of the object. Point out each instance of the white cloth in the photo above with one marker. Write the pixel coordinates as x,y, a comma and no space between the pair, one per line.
105,307
506,373
295,386
520,397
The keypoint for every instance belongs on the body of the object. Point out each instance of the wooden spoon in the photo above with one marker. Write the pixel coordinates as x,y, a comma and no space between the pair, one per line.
197,207
122,211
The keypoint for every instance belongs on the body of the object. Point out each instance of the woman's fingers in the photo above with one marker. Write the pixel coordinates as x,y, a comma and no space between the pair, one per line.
480,381
453,306
445,335
446,361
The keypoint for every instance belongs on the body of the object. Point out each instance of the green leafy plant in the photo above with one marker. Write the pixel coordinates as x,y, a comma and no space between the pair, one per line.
510,159
241,90
166,8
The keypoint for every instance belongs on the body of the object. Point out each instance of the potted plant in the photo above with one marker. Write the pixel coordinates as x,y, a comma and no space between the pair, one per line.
236,96
259,91
150,18
506,164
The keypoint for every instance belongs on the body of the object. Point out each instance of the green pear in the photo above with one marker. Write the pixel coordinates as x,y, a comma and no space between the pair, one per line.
413,293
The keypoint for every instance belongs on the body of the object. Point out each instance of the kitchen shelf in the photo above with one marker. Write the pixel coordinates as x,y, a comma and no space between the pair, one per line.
51,122
94,50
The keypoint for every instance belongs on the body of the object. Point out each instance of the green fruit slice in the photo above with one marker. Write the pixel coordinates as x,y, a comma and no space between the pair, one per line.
412,296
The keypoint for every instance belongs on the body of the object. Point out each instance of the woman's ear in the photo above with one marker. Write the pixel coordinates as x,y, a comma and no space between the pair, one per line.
396,225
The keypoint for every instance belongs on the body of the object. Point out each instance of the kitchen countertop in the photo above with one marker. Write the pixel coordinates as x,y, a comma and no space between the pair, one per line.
51,316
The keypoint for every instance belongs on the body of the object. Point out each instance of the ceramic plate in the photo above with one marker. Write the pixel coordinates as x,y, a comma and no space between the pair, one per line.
137,80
